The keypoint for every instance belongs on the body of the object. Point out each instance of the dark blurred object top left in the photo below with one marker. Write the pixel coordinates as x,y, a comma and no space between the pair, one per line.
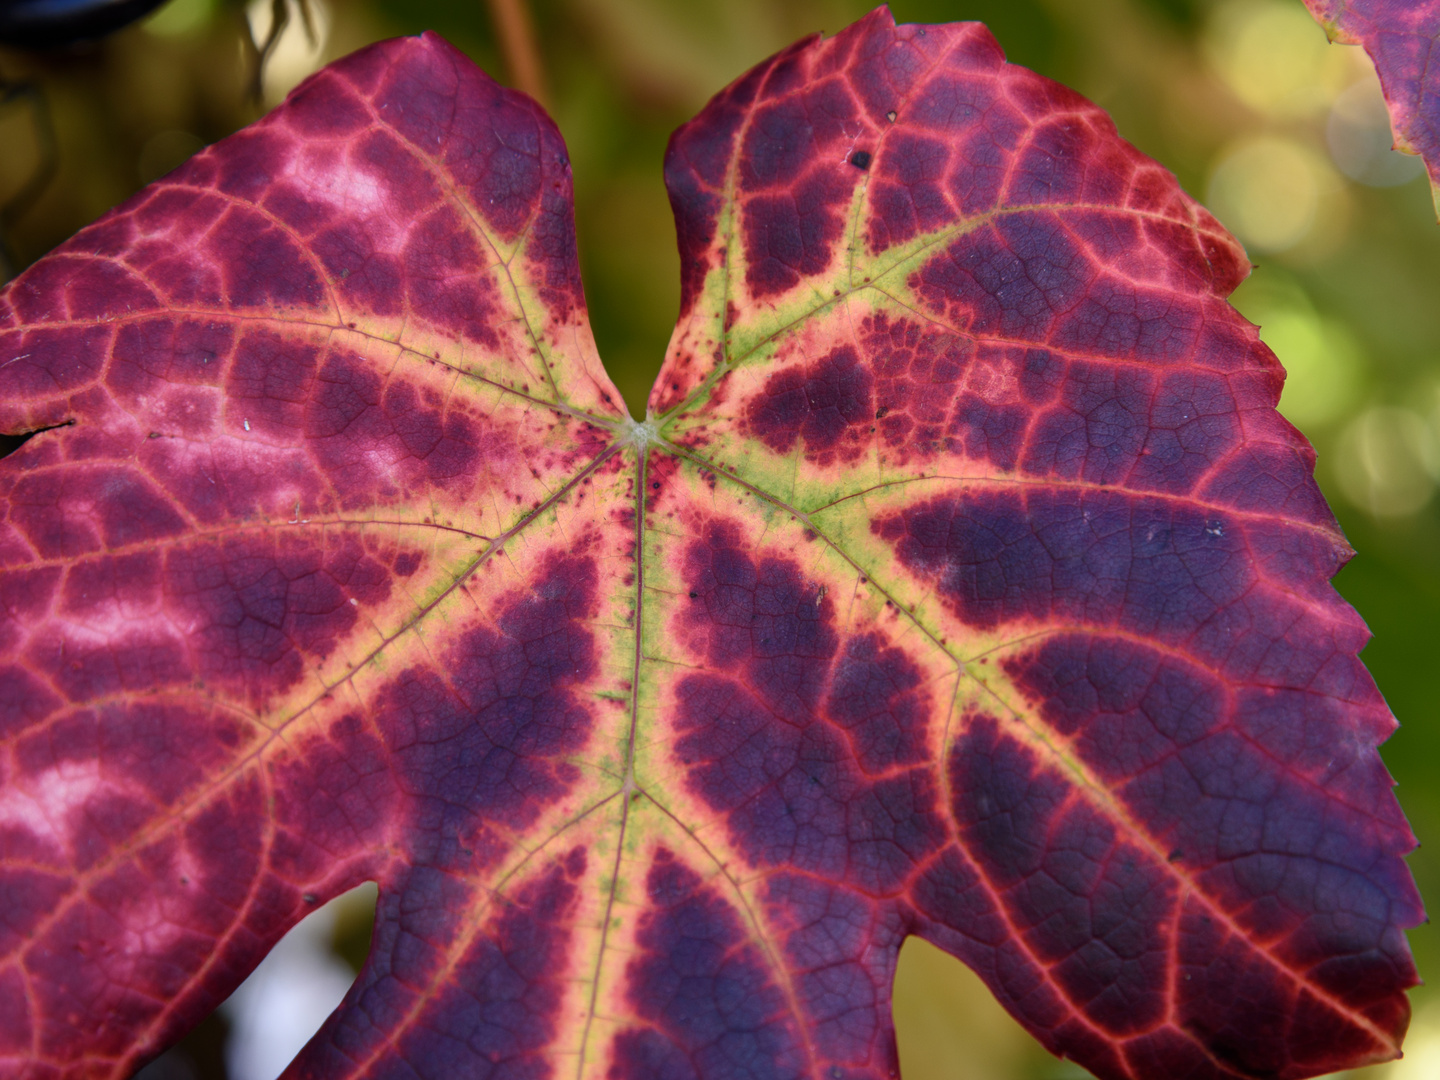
50,24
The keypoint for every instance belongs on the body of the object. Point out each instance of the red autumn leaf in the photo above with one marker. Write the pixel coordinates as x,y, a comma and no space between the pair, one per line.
1403,39
963,583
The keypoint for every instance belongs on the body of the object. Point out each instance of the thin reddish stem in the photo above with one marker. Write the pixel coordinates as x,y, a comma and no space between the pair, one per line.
517,41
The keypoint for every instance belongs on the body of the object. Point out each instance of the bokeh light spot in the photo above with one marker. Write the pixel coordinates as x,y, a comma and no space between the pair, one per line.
1358,134
1267,190
1322,364
1275,59
1387,461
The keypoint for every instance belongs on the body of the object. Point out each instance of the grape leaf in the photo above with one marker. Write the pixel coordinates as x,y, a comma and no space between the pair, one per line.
962,582
1401,37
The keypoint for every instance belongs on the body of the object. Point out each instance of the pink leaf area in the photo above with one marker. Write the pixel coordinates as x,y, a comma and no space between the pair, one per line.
962,582
1403,39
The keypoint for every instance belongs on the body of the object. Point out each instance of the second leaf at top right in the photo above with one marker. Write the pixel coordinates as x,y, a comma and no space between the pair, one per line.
1401,36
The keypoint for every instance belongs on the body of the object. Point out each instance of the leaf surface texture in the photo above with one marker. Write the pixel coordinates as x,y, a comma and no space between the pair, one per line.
963,582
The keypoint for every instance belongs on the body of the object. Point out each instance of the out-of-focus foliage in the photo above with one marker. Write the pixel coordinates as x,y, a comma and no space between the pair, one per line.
1283,136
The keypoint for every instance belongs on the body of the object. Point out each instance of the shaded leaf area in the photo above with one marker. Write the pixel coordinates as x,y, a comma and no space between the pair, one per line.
963,583
1401,37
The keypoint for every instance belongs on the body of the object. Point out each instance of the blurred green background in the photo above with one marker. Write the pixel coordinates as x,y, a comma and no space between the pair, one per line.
1281,134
